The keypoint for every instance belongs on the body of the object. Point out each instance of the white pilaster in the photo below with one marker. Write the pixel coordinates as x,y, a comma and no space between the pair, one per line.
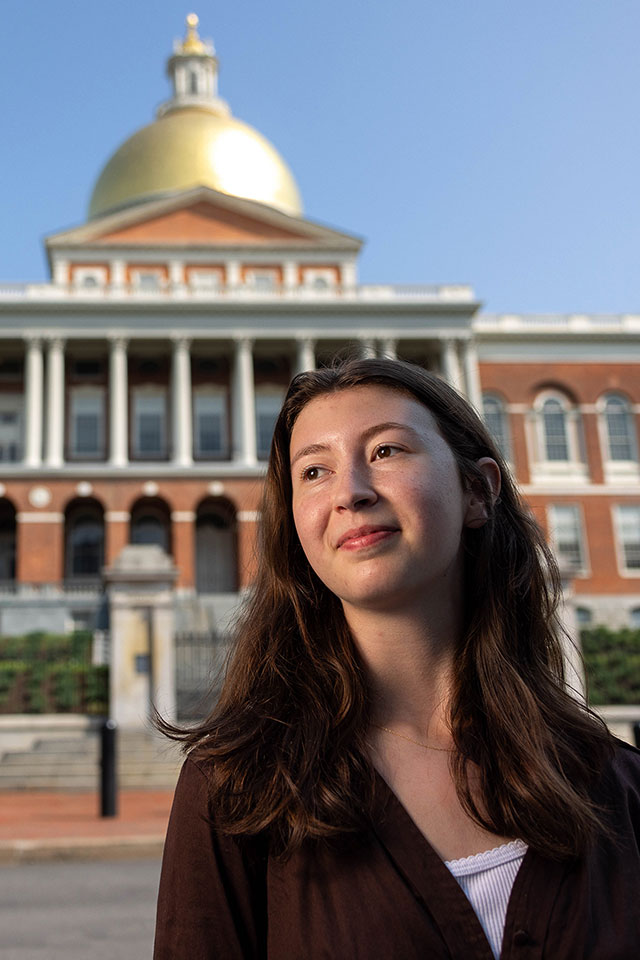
118,404
290,275
176,276
55,404
182,421
234,274
33,403
451,364
473,388
61,272
305,356
349,275
389,348
118,274
244,404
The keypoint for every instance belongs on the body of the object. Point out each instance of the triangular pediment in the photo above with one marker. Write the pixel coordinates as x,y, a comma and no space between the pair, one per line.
202,218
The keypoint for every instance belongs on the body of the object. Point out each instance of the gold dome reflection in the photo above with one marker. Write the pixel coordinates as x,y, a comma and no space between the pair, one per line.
192,147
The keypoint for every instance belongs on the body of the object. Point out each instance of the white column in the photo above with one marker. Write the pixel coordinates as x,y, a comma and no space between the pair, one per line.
118,274
305,356
181,421
33,404
244,403
473,388
55,404
290,275
61,272
451,364
118,404
234,275
349,274
389,348
176,276
367,348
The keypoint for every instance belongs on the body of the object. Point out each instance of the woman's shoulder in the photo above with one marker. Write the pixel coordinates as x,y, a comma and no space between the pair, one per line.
625,764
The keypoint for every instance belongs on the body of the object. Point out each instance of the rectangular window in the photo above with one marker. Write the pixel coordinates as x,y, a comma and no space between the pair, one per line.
150,435
268,405
10,428
628,528
210,425
566,534
205,279
87,423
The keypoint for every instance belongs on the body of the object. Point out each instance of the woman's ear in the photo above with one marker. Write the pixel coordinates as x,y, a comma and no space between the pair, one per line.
476,514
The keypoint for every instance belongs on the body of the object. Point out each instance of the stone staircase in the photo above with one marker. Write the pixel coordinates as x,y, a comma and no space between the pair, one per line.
144,760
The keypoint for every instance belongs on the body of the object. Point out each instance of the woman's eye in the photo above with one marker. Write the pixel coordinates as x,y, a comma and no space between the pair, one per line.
384,451
311,473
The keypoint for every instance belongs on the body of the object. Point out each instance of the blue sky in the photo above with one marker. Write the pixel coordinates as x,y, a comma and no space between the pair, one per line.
484,141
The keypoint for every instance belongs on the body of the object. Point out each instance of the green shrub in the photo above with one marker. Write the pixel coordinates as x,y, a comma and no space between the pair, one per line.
612,663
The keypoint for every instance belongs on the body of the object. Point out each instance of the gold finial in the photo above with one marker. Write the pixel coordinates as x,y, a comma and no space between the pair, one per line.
192,42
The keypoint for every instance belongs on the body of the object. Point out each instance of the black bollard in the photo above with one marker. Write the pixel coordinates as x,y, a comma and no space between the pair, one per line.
108,773
636,734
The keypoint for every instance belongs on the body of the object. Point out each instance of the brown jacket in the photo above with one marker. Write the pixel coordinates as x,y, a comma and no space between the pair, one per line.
390,897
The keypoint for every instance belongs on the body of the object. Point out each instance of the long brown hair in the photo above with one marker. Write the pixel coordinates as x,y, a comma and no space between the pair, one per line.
287,737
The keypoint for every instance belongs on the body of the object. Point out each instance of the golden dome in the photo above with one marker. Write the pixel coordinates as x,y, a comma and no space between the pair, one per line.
193,147
195,142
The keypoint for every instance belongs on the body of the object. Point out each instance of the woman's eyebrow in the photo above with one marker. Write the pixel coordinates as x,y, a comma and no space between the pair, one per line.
314,448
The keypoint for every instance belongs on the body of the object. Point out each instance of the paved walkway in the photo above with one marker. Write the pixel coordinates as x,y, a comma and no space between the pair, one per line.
45,826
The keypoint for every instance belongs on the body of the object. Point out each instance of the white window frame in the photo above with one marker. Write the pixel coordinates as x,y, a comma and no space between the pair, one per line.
206,279
254,278
505,448
139,276
558,472
95,393
13,403
91,279
139,395
311,275
618,471
221,395
582,568
274,393
618,525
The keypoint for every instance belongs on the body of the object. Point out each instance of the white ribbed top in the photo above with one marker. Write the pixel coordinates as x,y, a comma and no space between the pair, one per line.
487,879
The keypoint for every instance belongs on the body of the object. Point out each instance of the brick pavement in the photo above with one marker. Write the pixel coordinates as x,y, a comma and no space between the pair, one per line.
43,826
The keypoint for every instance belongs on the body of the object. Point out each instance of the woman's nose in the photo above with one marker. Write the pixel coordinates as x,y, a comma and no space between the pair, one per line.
354,490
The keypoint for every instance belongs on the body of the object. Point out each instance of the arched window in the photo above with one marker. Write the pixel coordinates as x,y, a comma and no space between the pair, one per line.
7,542
556,440
619,428
151,523
216,561
495,417
554,428
84,540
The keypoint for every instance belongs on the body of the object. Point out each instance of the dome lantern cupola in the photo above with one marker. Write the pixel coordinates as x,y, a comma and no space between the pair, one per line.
193,71
194,142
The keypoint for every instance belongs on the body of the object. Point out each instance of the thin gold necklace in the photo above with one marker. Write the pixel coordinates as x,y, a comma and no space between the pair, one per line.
427,746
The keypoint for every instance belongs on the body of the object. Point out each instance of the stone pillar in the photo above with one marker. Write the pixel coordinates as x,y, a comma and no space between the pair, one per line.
234,275
118,404
182,419
118,275
290,277
61,272
140,593
389,349
451,364
305,356
55,404
574,672
33,404
244,403
473,390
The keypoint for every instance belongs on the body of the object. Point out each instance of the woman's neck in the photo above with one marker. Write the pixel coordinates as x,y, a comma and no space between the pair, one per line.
409,665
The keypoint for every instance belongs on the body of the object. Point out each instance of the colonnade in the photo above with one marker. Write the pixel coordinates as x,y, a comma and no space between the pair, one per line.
45,396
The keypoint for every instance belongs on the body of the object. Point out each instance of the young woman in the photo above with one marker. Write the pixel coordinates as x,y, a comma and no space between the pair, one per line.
395,767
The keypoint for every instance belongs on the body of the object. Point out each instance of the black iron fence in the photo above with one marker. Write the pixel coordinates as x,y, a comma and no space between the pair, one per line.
200,659
52,673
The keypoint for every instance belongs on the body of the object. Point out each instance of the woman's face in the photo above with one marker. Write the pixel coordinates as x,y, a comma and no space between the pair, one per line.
378,503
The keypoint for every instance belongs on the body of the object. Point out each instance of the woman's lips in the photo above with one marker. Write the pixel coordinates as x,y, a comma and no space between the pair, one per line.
364,537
